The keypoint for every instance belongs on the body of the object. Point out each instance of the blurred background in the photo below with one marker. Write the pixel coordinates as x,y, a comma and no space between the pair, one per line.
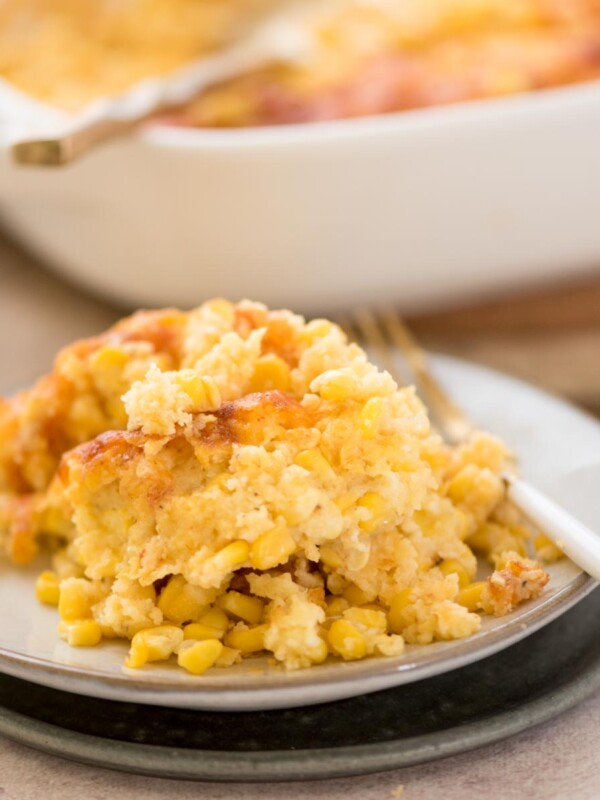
441,155
550,337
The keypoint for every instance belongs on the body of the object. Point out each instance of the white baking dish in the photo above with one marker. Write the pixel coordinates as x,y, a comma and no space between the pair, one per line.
422,208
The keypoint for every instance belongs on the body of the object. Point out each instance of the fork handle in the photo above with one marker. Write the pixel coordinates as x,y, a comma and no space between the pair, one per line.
574,538
56,152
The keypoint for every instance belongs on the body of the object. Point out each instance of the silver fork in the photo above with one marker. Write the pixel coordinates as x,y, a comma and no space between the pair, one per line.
385,333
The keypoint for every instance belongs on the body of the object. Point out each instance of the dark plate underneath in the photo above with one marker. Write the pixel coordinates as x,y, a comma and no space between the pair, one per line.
528,683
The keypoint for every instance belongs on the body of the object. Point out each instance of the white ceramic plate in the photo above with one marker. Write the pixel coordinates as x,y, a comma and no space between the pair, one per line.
559,450
422,208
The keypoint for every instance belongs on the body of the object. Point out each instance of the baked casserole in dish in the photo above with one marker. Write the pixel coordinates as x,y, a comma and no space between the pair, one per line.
366,56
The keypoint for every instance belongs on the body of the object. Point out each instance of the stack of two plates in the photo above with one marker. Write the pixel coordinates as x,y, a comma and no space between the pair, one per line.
257,722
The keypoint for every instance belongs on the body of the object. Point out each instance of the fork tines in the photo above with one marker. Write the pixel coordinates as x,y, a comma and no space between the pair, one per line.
387,336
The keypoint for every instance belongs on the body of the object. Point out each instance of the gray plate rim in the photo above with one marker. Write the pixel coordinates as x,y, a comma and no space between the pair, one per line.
463,652
254,694
300,765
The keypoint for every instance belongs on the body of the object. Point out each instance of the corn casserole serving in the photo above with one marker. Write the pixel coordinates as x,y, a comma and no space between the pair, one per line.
364,56
232,481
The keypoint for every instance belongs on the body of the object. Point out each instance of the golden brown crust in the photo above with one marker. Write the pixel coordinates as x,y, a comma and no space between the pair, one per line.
240,421
162,329
280,337
519,579
37,426
244,420
79,400
21,512
109,448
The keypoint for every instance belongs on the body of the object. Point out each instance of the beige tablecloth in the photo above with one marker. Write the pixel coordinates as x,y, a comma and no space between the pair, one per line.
553,340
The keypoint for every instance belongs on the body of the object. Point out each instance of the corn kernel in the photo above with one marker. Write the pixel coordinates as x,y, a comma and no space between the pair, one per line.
22,545
270,372
337,384
145,592
329,557
230,557
437,459
392,645
314,461
197,657
377,506
470,596
346,641
109,356
153,644
295,514
74,601
539,542
492,537
373,501
47,588
477,488
481,541
202,390
460,486
370,416
319,652
426,521
547,549
52,520
399,603
248,640
241,606
451,519
215,618
464,524
272,548
336,606
336,583
317,329
221,308
345,501
368,618
200,631
179,601
116,411
355,595
83,633
452,565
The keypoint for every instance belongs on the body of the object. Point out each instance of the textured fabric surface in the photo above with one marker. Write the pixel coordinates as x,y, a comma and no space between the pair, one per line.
556,761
